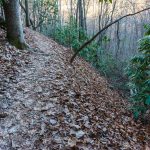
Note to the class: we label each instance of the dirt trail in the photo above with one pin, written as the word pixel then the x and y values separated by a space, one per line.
pixel 48 104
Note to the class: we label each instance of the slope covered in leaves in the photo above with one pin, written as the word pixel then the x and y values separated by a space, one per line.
pixel 46 103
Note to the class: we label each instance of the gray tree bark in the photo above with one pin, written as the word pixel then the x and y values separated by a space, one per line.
pixel 13 23
pixel 27 13
pixel 81 18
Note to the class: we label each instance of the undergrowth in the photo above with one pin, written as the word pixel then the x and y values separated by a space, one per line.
pixel 139 76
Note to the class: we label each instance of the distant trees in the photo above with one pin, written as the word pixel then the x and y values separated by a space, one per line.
pixel 102 30
pixel 13 23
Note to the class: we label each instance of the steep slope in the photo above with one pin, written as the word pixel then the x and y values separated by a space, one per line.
pixel 46 103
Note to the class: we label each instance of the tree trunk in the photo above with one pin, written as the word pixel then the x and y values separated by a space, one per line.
pixel 84 12
pixel 2 23
pixel 2 12
pixel 27 13
pixel 81 19
pixel 13 23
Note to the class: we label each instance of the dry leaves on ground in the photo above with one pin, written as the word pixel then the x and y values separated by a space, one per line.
pixel 46 103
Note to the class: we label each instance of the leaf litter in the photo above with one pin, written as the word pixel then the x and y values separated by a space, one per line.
pixel 48 104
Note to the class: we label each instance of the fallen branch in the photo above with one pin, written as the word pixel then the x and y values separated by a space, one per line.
pixel 93 38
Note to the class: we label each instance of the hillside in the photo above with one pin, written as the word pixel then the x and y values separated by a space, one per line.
pixel 46 103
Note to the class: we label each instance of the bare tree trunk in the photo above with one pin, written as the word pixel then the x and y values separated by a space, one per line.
pixel 13 23
pixel 27 13
pixel 84 9
pixel 71 7
pixel 81 19
pixel 34 15
pixel 2 11
pixel 77 13
pixel 60 12
pixel 118 40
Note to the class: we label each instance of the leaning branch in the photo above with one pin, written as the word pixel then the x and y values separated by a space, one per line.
pixel 93 38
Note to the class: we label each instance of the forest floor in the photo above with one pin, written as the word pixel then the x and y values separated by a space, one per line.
pixel 48 104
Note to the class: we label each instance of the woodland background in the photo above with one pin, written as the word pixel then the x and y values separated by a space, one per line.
pixel 71 22
pixel 47 102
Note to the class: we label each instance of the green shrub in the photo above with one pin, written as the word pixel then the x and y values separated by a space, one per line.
pixel 67 35
pixel 139 76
